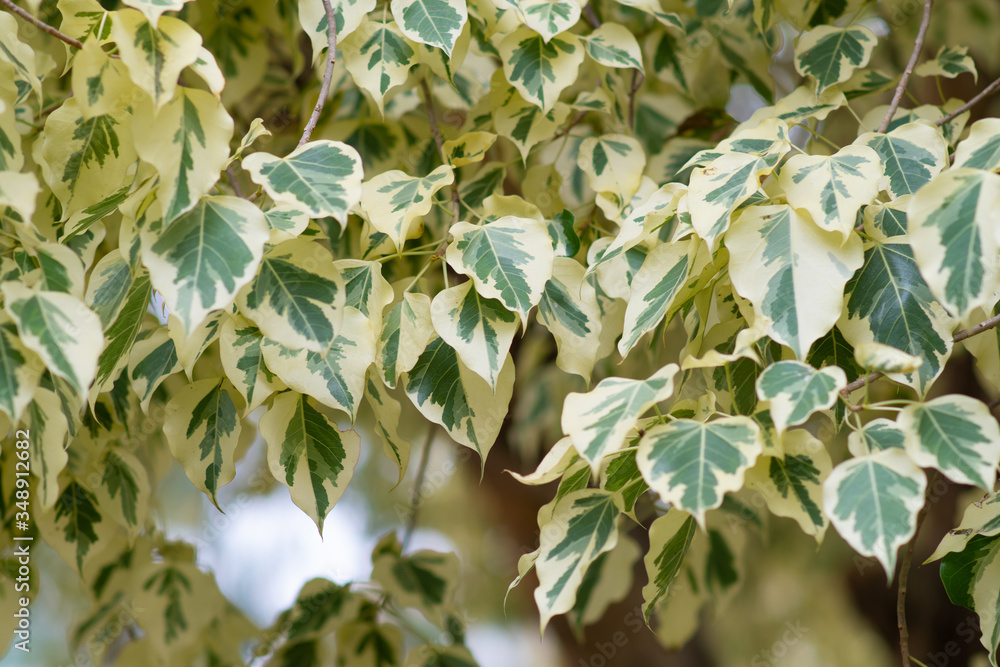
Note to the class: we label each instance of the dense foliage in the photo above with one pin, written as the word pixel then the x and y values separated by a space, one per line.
pixel 533 202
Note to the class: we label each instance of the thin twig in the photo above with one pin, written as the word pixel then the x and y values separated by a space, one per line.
pixel 439 141
pixel 904 573
pixel 917 48
pixel 415 500
pixel 41 25
pixel 577 119
pixel 234 182
pixel 959 336
pixel 324 89
pixel 986 92
pixel 637 79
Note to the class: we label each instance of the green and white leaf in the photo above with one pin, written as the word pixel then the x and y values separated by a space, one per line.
pixel 831 54
pixel 120 336
pixel 60 329
pixel 953 223
pixel 469 148
pixel 615 46
pixel 334 376
pixel 320 177
pixel 436 23
pixel 206 256
pixel 970 578
pixel 20 371
pixel 45 421
pixel 425 580
pixel 613 163
pixel 981 518
pixel 981 148
pixel 833 188
pixel 308 454
pixel 791 271
pixel 387 411
pixel 949 62
pixel 379 57
pixel 955 434
pixel 546 17
pixel 75 526
pixel 583 525
pixel 298 296
pixel 717 190
pixel 348 15
pixel 509 259
pixel 669 538
pixel 480 330
pixel 448 393
pixel 540 69
pixel 202 427
pixel 187 141
pixel 655 286
pixel 693 464
pixel 240 348
pixel 519 120
pixel 394 201
pixel 911 154
pixel 406 331
pixel 155 52
pixel 599 421
pixel 873 502
pixel 792 486
pixel 796 390
pixel 569 310
pixel 885 358
pixel 151 361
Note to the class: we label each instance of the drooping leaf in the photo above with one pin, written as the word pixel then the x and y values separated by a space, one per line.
pixel 424 579
pixel 981 148
pixel 692 464
pixel 599 421
pixel 613 164
pixel 953 221
pixel 569 310
pixel 406 331
pixel 387 411
pixel 873 502
pixel 436 23
pixel 151 361
pixel 521 121
pixel 613 45
pixel 240 348
pixel 479 330
pixel 60 329
pixel 546 17
pixel 121 334
pixel 20 370
pixel 911 155
pixel 655 286
pixel 583 525
pixel 793 272
pixel 348 15
pixel 949 62
pixel 955 434
pixel 669 538
pixel 202 427
pixel 378 56
pixel 446 392
pixel 307 453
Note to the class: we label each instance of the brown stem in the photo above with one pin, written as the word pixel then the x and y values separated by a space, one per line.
pixel 324 89
pixel 904 574
pixel 41 25
pixel 588 11
pixel 439 142
pixel 959 336
pixel 577 119
pixel 637 79
pixel 917 47
pixel 411 523
pixel 986 92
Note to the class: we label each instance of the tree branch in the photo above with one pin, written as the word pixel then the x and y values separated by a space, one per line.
pixel 904 574
pixel 637 79
pixel 324 89
pixel 415 500
pixel 959 336
pixel 439 141
pixel 986 92
pixel 41 25
pixel 905 79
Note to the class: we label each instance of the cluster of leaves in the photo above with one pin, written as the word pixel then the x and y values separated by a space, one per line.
pixel 594 216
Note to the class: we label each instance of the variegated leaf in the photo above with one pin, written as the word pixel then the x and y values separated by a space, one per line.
pixel 151 361
pixel 693 464
pixel 206 256
pixel 663 274
pixel 406 331
pixel 20 370
pixel 793 272
pixel 546 17
pixel 540 70
pixel 955 434
pixel 520 121
pixel 873 502
pixel 480 330
pixel 599 421
pixel 613 45
pixel 509 259
pixel 874 436
pixel 669 538
pixel 885 358
pixel 436 23
pixel 395 201
pixel 981 148
pixel 378 56
pixel 308 454
pixel 570 312
pixel 155 52
pixel 613 164
pixel 583 525
pixel 240 348
pixel 911 155
pixel 387 411
pixel 949 62
pixel 121 334
pixel 321 177
pixel 446 392
pixel 202 427
pixel 468 148
pixel 348 15
pixel 796 390
pixel 718 189
pixel 831 54
pixel 953 224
